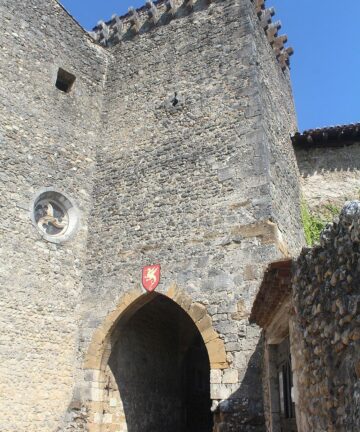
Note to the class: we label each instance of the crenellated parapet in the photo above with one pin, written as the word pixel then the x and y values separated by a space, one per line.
pixel 271 29
pixel 137 21
pixel 157 13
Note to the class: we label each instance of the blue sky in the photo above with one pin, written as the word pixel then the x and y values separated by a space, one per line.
pixel 325 68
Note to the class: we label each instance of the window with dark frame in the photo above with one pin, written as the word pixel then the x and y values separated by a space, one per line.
pixel 285 385
pixel 285 382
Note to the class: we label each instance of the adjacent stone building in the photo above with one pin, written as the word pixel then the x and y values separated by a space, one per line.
pixel 329 161
pixel 310 312
pixel 161 138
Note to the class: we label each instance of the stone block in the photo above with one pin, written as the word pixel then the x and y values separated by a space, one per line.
pixel 183 301
pixel 92 375
pixel 230 376
pixel 215 376
pixel 220 391
pixel 173 290
pixel 233 346
pixel 226 308
pixel 209 334
pixel 242 312
pixel 216 351
pixel 107 418
pixel 253 332
pixel 249 272
pixel 223 365
pixel 204 323
pixel 240 361
pixel 97 395
pixel 98 418
pixel 197 311
pixel 227 327
pixel 92 427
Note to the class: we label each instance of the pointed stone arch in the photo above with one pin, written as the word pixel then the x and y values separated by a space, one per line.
pixel 98 354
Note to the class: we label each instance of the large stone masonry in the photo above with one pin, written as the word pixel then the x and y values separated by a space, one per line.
pixel 326 328
pixel 311 306
pixel 189 177
pixel 174 146
pixel 47 140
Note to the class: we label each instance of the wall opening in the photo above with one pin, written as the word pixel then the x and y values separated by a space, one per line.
pixel 281 385
pixel 158 373
pixel 64 80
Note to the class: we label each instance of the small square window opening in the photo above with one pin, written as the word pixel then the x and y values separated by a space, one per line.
pixel 64 81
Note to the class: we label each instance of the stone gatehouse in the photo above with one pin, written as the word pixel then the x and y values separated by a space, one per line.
pixel 161 138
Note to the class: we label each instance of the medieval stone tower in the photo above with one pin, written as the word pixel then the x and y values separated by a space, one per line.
pixel 162 138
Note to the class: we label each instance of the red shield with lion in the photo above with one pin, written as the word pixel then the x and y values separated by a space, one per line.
pixel 151 277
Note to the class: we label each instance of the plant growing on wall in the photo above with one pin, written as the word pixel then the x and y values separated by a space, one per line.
pixel 314 223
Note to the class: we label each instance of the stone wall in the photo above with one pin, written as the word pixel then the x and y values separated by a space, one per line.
pixel 47 139
pixel 329 175
pixel 274 100
pixel 325 329
pixel 155 368
pixel 192 185
pixel 170 145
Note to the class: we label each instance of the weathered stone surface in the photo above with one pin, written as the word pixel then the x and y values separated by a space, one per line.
pixel 47 139
pixel 231 376
pixel 327 347
pixel 207 187
pixel 329 176
pixel 215 376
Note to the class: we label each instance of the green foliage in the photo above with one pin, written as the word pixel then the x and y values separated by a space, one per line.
pixel 313 224
pixel 331 211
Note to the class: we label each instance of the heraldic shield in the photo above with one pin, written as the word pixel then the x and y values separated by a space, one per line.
pixel 151 277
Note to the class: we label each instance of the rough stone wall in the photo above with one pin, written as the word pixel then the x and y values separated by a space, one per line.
pixel 326 330
pixel 47 139
pixel 190 186
pixel 274 100
pixel 329 175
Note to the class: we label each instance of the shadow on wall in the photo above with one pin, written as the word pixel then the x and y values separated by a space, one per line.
pixel 162 371
pixel 156 377
pixel 323 160
pixel 243 410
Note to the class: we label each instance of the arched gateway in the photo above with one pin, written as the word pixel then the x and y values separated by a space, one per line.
pixel 150 366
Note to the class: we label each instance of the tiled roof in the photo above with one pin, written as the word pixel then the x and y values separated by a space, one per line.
pixel 274 289
pixel 333 136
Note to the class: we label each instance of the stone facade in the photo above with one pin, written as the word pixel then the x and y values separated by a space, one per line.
pixel 317 315
pixel 328 161
pixel 172 143
pixel 189 185
pixel 326 328
pixel 48 139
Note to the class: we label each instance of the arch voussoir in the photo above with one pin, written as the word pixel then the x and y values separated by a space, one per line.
pixel 98 354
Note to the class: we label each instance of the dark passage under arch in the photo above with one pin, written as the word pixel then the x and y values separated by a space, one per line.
pixel 161 367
